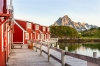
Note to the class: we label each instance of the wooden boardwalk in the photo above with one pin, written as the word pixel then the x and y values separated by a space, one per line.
pixel 27 57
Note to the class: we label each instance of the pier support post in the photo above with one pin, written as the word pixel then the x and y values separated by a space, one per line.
pixel 48 53
pixel 40 48
pixel 63 57
pixel 66 49
pixel 57 46
pixel 95 54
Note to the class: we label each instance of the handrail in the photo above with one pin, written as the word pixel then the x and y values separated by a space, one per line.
pixel 83 57
pixel 59 50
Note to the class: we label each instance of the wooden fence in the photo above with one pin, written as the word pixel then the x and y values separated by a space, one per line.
pixel 65 52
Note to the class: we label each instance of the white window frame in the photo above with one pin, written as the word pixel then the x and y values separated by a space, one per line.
pixel 26 35
pixel 29 25
pixel 48 29
pixel 44 28
pixel 37 27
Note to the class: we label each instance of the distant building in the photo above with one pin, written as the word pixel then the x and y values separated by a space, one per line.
pixel 25 30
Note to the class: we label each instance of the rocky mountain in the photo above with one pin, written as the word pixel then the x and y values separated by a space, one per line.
pixel 79 26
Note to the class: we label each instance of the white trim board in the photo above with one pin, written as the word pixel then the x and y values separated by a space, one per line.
pixel 23 37
pixel 20 26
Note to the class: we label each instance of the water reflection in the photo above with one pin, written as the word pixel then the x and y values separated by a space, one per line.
pixel 84 49
pixel 92 46
pixel 71 46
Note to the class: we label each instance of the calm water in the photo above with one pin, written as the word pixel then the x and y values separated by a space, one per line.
pixel 84 49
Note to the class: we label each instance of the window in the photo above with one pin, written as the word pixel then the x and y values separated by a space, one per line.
pixel 29 25
pixel 37 27
pixel 48 29
pixel 26 35
pixel 43 28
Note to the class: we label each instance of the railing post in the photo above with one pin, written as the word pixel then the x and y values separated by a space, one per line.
pixel 57 46
pixel 36 46
pixel 63 57
pixel 94 54
pixel 99 61
pixel 40 48
pixel 48 53
pixel 66 49
pixel 52 45
pixel 76 51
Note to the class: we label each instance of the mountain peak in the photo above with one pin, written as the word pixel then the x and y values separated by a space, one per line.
pixel 79 26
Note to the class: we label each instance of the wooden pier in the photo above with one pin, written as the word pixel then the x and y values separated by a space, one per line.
pixel 42 56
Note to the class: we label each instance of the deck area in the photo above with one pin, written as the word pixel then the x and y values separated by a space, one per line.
pixel 27 57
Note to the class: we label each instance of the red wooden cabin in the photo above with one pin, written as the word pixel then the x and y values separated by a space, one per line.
pixel 22 32
pixel 5 32
pixel 36 31
pixel 45 33
pixel 25 30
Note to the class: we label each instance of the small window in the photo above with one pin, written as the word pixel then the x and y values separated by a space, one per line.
pixel 37 27
pixel 43 28
pixel 26 35
pixel 29 25
pixel 48 29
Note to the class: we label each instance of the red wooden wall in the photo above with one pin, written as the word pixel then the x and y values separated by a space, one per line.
pixel 2 57
pixel 22 23
pixel 18 34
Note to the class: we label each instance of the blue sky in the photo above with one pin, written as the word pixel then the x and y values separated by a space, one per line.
pixel 46 12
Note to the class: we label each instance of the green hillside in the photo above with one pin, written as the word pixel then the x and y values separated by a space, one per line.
pixel 63 32
pixel 92 33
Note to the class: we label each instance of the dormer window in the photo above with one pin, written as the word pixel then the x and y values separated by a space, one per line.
pixel 29 25
pixel 37 27
pixel 43 28
pixel 48 29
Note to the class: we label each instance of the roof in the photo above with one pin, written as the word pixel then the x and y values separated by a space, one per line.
pixel 19 25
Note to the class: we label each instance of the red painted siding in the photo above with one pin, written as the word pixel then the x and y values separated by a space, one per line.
pixel 18 34
pixel 25 41
pixel 2 57
pixel 33 27
pixel 29 36
pixel 22 23
pixel 33 36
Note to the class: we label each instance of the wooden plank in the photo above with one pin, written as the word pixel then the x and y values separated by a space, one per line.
pixel 83 57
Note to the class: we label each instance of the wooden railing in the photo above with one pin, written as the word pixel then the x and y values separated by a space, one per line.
pixel 63 53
